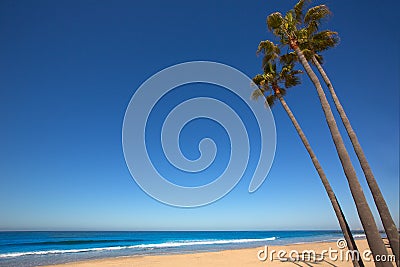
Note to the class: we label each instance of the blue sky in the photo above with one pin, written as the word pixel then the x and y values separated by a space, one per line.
pixel 69 68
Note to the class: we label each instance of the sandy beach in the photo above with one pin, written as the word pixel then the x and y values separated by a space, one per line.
pixel 240 257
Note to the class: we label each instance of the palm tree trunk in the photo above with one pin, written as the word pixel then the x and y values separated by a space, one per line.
pixel 364 212
pixel 332 197
pixel 387 220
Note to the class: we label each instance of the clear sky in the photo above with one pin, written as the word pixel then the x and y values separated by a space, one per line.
pixel 69 68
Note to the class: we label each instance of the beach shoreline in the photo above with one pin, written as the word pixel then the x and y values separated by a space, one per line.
pixel 257 256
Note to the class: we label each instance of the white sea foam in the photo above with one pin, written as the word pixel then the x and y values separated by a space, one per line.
pixel 203 242
pixel 359 236
pixel 58 251
pixel 146 246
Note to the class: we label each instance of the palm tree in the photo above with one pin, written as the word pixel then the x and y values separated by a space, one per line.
pixel 285 27
pixel 386 217
pixel 313 44
pixel 269 87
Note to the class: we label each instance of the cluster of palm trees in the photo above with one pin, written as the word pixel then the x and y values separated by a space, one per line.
pixel 299 30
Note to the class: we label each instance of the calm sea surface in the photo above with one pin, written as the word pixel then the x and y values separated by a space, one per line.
pixel 42 248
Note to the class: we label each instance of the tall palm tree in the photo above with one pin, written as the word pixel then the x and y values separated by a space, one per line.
pixel 269 87
pixel 285 27
pixel 313 44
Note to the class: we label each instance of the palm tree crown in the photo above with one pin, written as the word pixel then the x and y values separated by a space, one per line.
pixel 297 28
pixel 275 79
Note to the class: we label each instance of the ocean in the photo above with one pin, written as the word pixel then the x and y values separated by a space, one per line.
pixel 24 249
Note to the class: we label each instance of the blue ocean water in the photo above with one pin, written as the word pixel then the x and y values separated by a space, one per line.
pixel 43 248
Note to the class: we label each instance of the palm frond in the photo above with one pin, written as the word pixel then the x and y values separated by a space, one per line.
pixel 312 27
pixel 283 39
pixel 257 93
pixel 267 47
pixel 308 53
pixel 269 76
pixel 274 21
pixel 265 61
pixel 325 34
pixel 324 40
pixel 270 50
pixel 258 79
pixel 317 13
pixel 289 17
pixel 296 72
pixel 299 10
pixel 289 23
pixel 314 17
pixel 291 80
pixel 261 81
pixel 270 100
pixel 285 70
pixel 289 58
pixel 302 35
pixel 289 76
pixel 270 70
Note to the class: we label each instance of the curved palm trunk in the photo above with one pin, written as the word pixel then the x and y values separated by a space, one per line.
pixel 364 212
pixel 332 197
pixel 387 220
